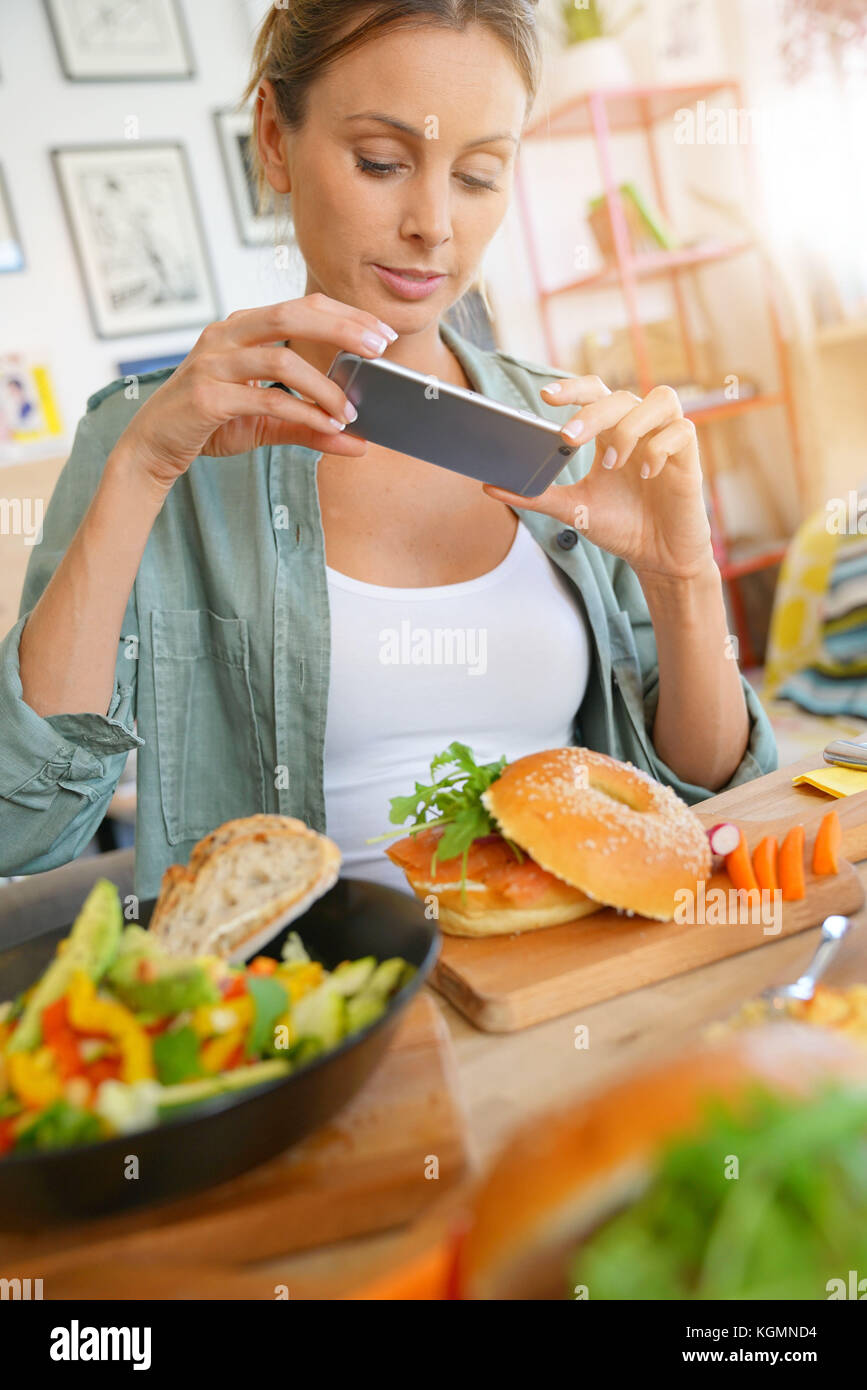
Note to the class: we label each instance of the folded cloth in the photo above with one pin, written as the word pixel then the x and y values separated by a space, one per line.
pixel 836 781
pixel 817 644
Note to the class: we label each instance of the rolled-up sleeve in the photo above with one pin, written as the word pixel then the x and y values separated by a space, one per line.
pixel 59 772
pixel 760 756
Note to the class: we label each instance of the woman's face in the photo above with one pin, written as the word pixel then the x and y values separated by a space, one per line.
pixel 405 161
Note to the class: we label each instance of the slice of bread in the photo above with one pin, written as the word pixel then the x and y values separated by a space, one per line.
pixel 244 882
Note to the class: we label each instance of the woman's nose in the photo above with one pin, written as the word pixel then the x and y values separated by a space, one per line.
pixel 429 213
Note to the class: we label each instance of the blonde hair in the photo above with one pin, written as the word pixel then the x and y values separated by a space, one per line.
pixel 297 40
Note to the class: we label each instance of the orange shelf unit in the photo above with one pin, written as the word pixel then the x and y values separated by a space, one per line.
pixel 598 115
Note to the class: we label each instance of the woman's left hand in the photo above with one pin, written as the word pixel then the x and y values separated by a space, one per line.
pixel 642 499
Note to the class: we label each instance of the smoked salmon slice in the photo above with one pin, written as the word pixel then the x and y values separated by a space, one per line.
pixel 489 860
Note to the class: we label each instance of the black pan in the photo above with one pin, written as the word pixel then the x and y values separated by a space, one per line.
pixel 229 1134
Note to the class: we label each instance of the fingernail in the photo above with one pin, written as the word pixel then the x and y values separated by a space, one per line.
pixel 574 429
pixel 554 389
pixel 389 332
pixel 350 412
pixel 609 458
pixel 338 424
pixel 645 470
pixel 374 341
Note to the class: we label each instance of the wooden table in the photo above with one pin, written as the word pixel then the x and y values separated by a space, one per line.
pixel 505 1078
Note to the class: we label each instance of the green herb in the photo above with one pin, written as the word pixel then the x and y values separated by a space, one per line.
pixel 270 1002
pixel 793 1218
pixel 455 799
pixel 58 1125
pixel 176 1055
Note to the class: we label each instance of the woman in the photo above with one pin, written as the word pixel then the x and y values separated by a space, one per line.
pixel 264 594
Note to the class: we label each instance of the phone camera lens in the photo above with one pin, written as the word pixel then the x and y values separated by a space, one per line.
pixel 565 450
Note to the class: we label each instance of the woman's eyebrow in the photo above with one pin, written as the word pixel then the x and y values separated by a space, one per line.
pixel 419 134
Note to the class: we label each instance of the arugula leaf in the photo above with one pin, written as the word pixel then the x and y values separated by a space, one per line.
pixel 453 802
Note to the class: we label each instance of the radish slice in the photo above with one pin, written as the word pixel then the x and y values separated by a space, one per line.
pixel 724 838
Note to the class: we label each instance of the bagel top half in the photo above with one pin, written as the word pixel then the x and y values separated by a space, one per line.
pixel 604 826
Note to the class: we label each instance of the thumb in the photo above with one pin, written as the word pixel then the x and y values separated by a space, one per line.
pixel 558 502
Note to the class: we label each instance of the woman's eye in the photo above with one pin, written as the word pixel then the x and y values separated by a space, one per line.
pixel 380 171
pixel 370 167
pixel 476 183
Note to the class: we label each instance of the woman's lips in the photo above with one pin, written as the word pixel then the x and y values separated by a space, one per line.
pixel 407 287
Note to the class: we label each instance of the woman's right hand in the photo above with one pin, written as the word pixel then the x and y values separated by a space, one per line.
pixel 211 404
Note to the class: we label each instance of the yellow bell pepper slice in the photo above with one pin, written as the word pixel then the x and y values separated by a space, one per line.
pixel 285 1021
pixel 33 1077
pixel 90 1014
pixel 210 1020
pixel 216 1053
pixel 300 977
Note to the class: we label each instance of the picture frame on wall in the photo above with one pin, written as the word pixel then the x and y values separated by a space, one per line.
pixel 235 134
pixel 11 249
pixel 121 40
pixel 30 421
pixel 138 236
pixel 141 366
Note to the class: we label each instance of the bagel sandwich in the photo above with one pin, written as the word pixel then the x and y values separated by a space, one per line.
pixel 549 838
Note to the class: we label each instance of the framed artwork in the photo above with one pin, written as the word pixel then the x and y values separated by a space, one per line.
pixel 138 237
pixel 28 406
pixel 683 41
pixel 140 366
pixel 11 250
pixel 235 134
pixel 120 40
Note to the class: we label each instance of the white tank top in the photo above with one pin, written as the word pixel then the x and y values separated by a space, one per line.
pixel 499 663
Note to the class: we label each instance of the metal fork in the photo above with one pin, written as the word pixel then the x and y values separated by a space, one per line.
pixel 833 931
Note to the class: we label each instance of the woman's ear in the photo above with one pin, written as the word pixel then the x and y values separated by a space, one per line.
pixel 269 139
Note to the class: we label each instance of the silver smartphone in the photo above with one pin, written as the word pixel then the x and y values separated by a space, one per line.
pixel 447 425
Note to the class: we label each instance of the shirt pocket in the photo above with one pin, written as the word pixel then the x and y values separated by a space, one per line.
pixel 209 753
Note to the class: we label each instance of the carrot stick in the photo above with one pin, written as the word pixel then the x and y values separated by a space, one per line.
pixel 791 864
pixel 765 863
pixel 739 867
pixel 425 1277
pixel 826 850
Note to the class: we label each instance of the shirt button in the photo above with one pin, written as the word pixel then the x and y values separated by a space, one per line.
pixel 567 539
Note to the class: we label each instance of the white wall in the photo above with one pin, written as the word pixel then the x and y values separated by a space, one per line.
pixel 44 307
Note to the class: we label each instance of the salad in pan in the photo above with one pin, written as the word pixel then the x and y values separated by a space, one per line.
pixel 117 1034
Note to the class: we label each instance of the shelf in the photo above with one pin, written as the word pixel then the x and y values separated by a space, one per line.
pixel 653 264
pixel 704 415
pixel 598 116
pixel 626 108
pixel 748 564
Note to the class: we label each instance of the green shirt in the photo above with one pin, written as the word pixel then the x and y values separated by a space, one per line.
pixel 223 663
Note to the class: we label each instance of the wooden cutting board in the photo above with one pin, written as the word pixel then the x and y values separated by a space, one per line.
pixel 504 983
pixel 363 1172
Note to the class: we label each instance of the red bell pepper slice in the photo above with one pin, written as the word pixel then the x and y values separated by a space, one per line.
pixel 104 1069
pixel 234 987
pixel 59 1035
